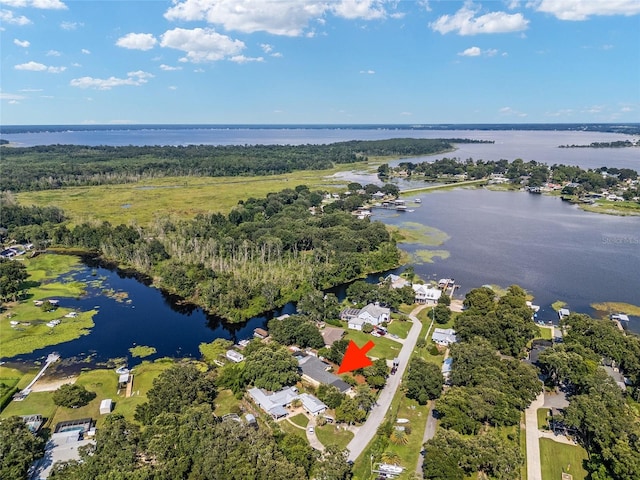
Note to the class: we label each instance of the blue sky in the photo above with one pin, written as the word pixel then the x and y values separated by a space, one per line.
pixel 319 61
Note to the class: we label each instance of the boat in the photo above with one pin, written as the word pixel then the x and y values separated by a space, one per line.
pixel 401 208
pixel 563 312
pixel 122 370
pixel 418 200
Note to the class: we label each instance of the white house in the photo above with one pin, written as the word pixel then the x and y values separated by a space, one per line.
pixel 312 405
pixel 444 336
pixel 274 403
pixel 371 314
pixel 397 281
pixel 105 406
pixel 234 356
pixel 426 294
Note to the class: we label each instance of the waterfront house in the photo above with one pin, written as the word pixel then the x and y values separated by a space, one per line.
pixel 396 281
pixel 260 333
pixel 426 295
pixel 563 312
pixel 234 356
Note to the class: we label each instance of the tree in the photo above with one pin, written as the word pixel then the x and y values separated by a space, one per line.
pixel 330 395
pixel 424 381
pixel 441 314
pixel 175 389
pixel 271 368
pixel 19 448
pixel 72 396
pixel 333 465
pixel 444 299
pixel 12 274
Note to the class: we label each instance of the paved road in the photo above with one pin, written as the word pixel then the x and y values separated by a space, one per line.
pixel 367 431
pixel 534 471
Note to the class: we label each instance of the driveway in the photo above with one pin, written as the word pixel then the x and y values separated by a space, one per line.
pixel 367 431
pixel 534 471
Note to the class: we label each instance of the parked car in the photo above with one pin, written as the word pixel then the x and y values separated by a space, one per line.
pixel 311 430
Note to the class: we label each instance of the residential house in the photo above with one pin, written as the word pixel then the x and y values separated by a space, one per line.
pixel 330 335
pixel 274 403
pixel 316 372
pixel 446 368
pixel 372 314
pixel 234 356
pixel 397 281
pixel 312 405
pixel 444 336
pixel 260 333
pixel 426 294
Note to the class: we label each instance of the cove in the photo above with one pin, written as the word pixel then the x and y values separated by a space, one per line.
pixel 135 313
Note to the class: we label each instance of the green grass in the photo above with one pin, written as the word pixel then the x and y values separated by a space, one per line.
pixel 543 418
pixel 546 333
pixel 384 347
pixel 523 447
pixel 142 351
pixel 300 419
pixel 557 305
pixel 10 382
pixel 417 415
pixel 412 232
pixel 617 307
pixel 292 429
pixel 399 328
pixel 36 403
pixel 329 434
pixel 46 280
pixel 427 256
pixel 175 196
pixel 557 458
pixel 612 208
pixel 226 402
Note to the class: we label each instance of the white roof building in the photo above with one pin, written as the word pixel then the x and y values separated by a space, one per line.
pixel 234 356
pixel 372 314
pixel 444 336
pixel 105 406
pixel 312 405
pixel 426 294
pixel 274 403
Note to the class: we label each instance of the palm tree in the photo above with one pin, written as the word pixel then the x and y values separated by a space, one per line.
pixel 391 458
pixel 399 437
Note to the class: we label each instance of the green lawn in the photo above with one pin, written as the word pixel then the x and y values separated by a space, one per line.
pixel 543 418
pixel 226 402
pixel 557 458
pixel 36 403
pixel 399 328
pixel 292 429
pixel 300 419
pixel 329 434
pixel 384 347
pixel 546 333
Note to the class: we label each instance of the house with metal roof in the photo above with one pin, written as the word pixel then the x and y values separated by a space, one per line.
pixel 372 314
pixel 312 405
pixel 426 294
pixel 274 403
pixel 444 336
pixel 315 372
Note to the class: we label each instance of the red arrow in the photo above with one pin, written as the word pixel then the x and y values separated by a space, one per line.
pixel 355 357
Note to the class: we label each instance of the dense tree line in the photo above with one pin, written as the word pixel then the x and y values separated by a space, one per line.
pixel 55 166
pixel 12 276
pixel 264 253
pixel 19 448
pixel 507 323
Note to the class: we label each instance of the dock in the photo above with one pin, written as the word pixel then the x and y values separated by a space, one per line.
pixel 51 358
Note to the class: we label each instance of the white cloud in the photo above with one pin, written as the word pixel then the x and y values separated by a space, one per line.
pixel 172 87
pixel 39 67
pixel 169 68
pixel 243 59
pixel 134 79
pixel 85 51
pixel 513 4
pixel 471 52
pixel 11 97
pixel 42 4
pixel 406 114
pixel 464 22
pixel 281 17
pixel 21 43
pixel 583 9
pixel 201 45
pixel 53 53
pixel 564 112
pixel 364 9
pixel 71 25
pixel 6 16
pixel 76 64
pixel 137 41
pixel 268 49
pixel 508 111
pixel 368 72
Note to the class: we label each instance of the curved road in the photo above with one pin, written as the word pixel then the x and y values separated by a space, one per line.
pixel 367 431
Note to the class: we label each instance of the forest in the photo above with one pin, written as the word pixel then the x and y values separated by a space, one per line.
pixel 56 166
pixel 263 254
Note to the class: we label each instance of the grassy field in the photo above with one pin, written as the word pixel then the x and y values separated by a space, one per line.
pixel 225 402
pixel 46 281
pixel 546 333
pixel 384 347
pixel 616 307
pixel 142 351
pixel 287 427
pixel 557 458
pixel 329 434
pixel 399 328
pixel 612 208
pixel 174 196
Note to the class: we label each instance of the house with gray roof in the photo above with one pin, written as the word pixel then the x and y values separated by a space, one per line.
pixel 444 336
pixel 372 314
pixel 312 405
pixel 315 371
pixel 274 403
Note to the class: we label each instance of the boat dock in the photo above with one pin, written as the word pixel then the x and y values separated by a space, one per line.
pixel 51 358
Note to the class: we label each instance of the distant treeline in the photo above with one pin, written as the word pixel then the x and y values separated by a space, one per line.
pixel 616 144
pixel 56 166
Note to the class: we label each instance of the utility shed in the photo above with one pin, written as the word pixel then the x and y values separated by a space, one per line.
pixel 106 406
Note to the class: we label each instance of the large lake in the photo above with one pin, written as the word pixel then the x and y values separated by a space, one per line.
pixel 552 249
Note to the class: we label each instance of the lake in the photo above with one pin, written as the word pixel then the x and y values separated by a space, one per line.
pixel 549 247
